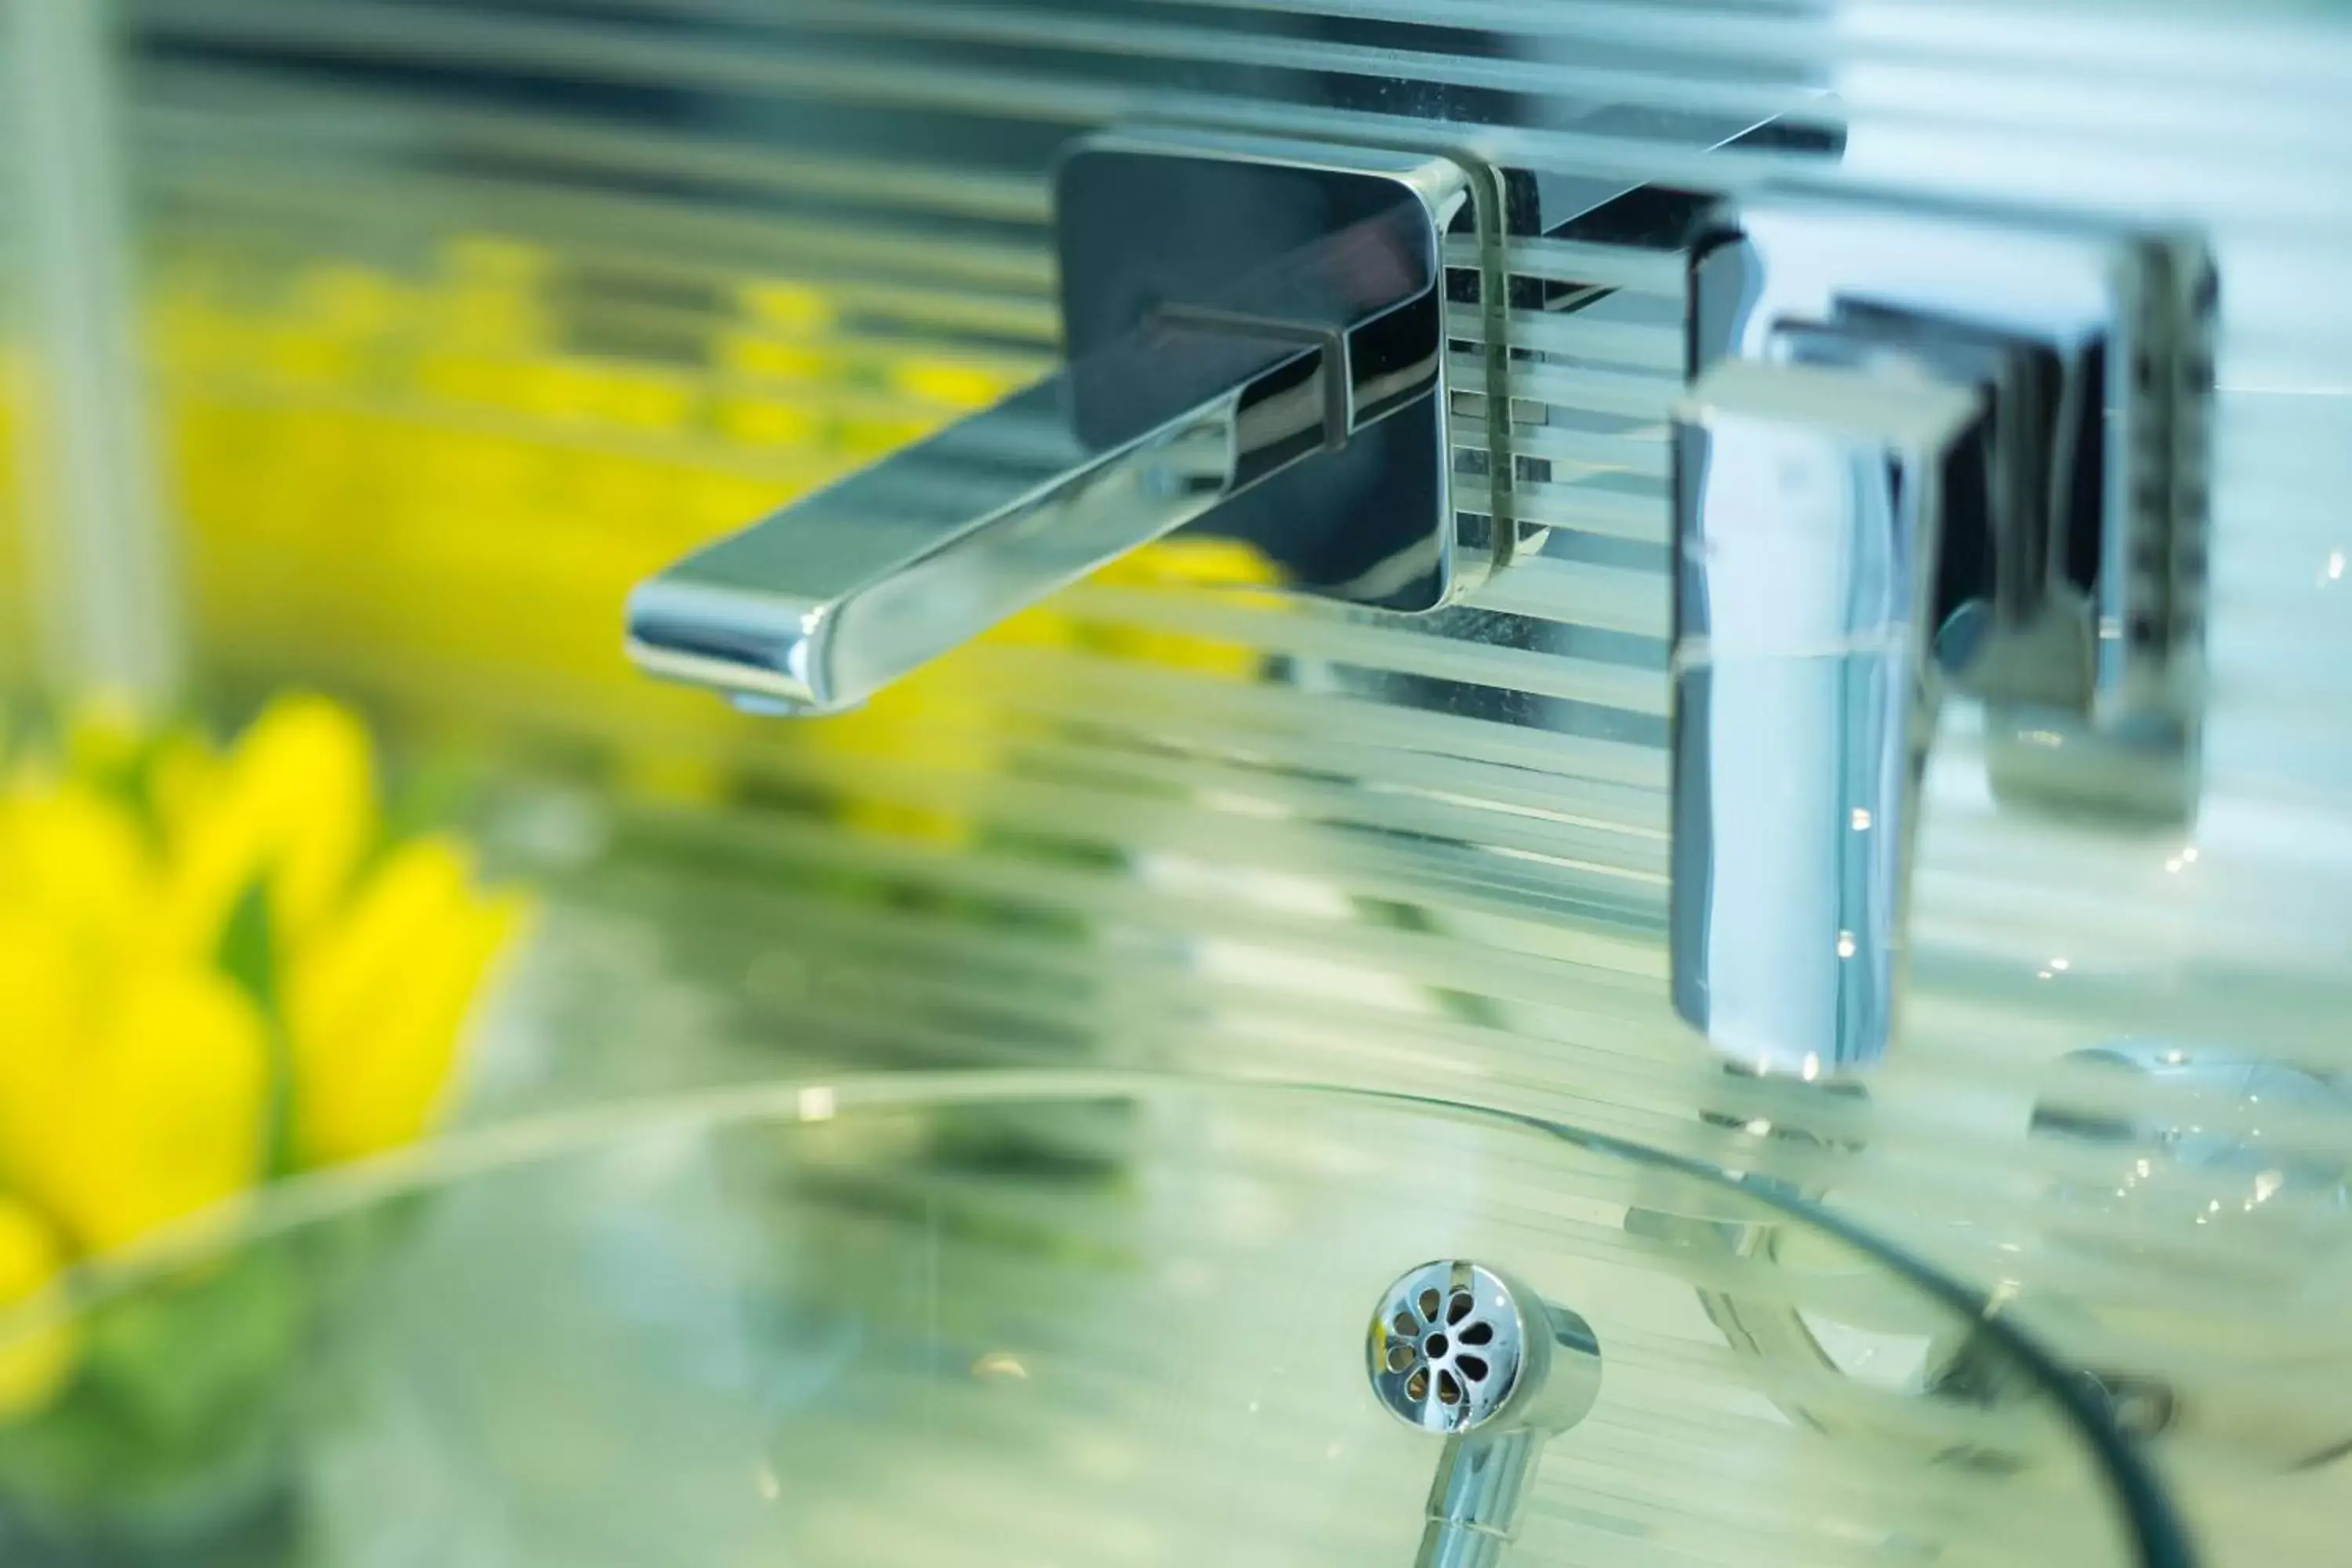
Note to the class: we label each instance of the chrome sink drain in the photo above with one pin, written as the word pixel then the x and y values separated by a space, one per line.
pixel 1471 1354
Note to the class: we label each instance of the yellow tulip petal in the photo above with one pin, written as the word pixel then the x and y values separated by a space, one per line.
pixel 1226 564
pixel 375 1008
pixel 76 857
pixel 34 1365
pixel 44 1004
pixel 104 733
pixel 221 855
pixel 185 782
pixel 311 760
pixel 340 976
pixel 1212 562
pixel 163 1113
pixel 390 1079
pixel 298 806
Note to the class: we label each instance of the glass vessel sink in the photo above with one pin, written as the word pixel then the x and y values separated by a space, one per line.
pixel 1024 1319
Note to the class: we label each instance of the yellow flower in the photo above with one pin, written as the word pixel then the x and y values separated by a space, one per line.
pixel 947 722
pixel 374 1007
pixel 35 1367
pixel 144 1100
pixel 1226 564
pixel 942 726
pixel 103 735
pixel 182 781
pixel 133 1079
pixel 76 858
pixel 138 1076
pixel 294 807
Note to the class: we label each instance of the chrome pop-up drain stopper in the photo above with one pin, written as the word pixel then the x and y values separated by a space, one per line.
pixel 1468 1353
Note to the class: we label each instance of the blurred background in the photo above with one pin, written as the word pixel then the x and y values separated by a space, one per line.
pixel 363 354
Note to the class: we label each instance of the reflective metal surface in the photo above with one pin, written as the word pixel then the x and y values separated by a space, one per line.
pixel 1206 358
pixel 2175 1154
pixel 1459 1349
pixel 1801 703
pixel 1923 445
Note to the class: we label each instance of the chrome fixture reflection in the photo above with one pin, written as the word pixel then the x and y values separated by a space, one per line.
pixel 1463 1351
pixel 1827 1310
pixel 1925 446
pixel 2209 1155
pixel 2204 1156
pixel 2220 1160
pixel 1235 309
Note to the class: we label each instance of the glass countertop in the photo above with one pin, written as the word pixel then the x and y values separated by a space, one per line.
pixel 1026 1319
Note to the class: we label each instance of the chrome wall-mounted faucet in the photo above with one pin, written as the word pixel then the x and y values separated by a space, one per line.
pixel 1234 308
pixel 1467 1353
pixel 1925 446
pixel 1255 333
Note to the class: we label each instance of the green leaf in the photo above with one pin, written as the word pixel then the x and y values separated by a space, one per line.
pixel 249 956
pixel 248 948
pixel 200 1356
pixel 430 792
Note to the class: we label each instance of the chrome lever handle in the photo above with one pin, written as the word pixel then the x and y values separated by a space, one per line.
pixel 1926 449
pixel 1206 360
pixel 1813 510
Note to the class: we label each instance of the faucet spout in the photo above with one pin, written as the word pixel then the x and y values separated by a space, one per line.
pixel 1202 367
